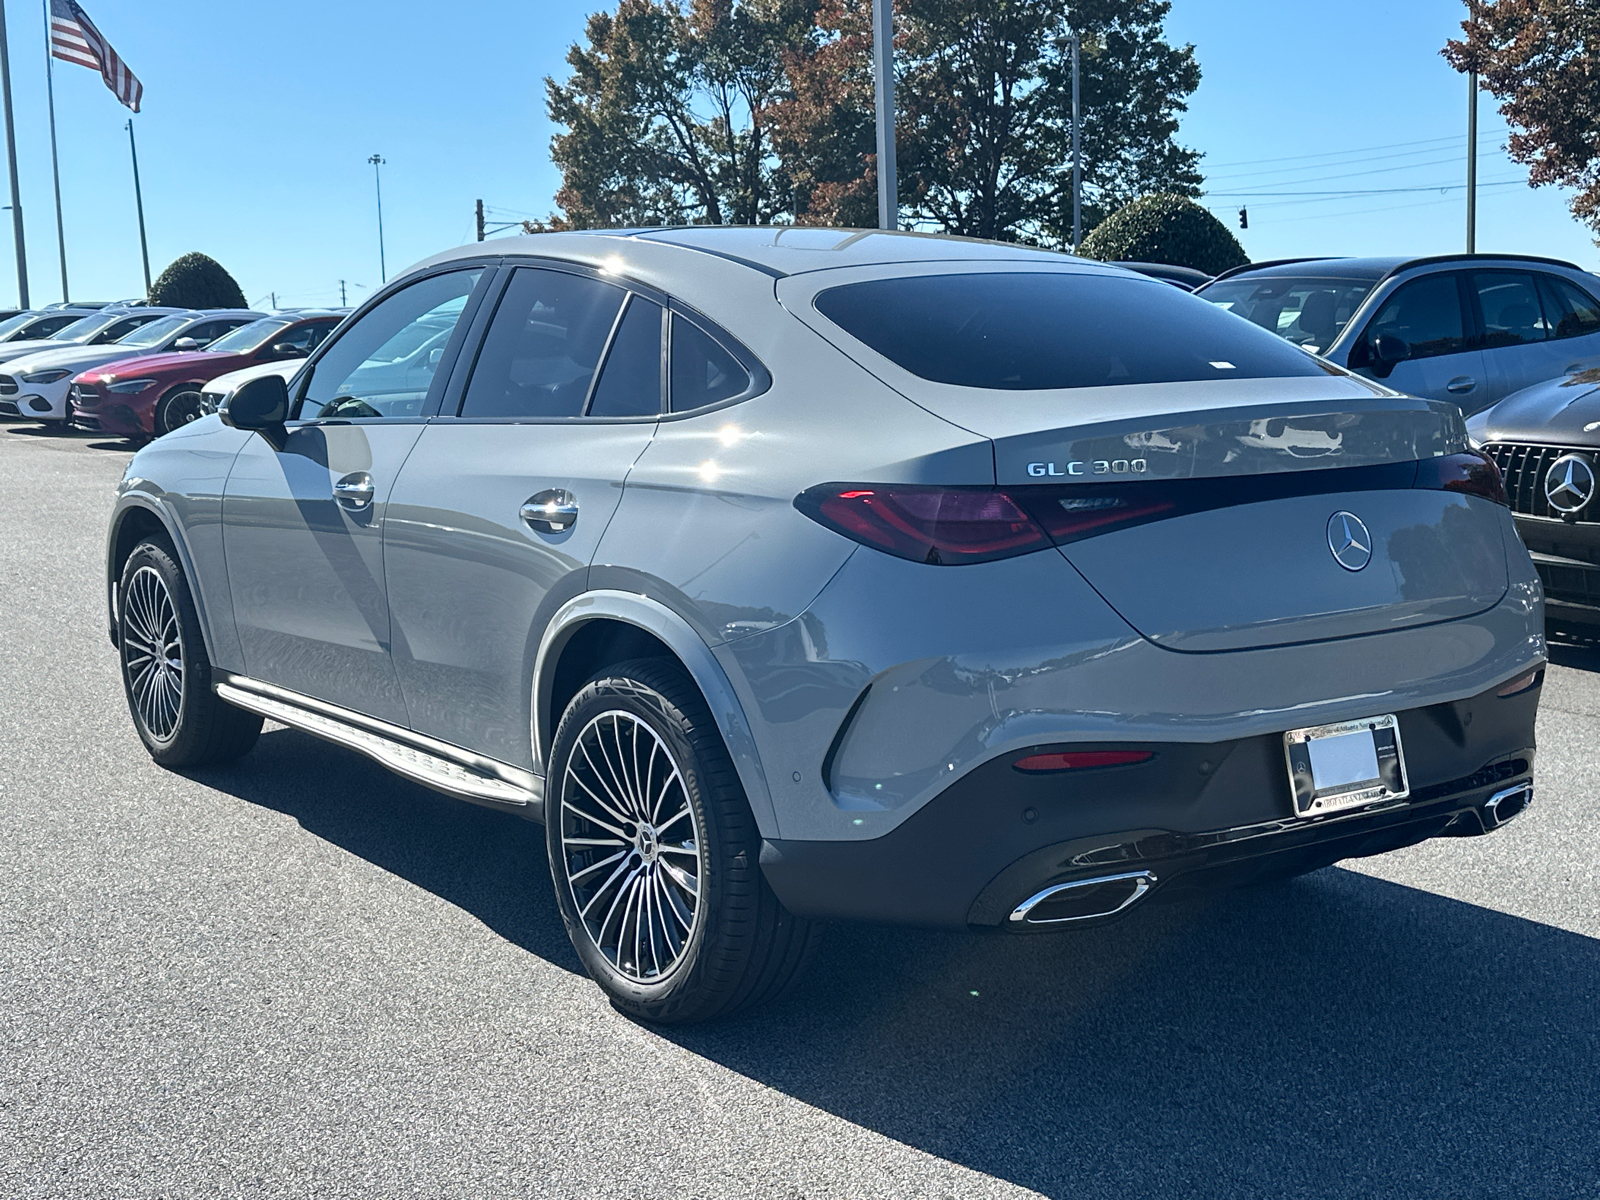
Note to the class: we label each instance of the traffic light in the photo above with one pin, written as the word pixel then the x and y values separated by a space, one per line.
pixel 1244 218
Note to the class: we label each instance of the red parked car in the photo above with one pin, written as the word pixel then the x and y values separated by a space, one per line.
pixel 148 396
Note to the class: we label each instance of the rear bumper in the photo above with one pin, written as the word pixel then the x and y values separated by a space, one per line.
pixel 1195 817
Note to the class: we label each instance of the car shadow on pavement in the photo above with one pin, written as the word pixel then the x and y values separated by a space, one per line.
pixel 488 863
pixel 1577 651
pixel 1334 1035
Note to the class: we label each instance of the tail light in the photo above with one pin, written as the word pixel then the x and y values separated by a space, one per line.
pixel 948 526
pixel 1077 760
pixel 1473 474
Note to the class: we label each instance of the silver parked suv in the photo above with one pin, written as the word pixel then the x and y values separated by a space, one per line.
pixel 801 574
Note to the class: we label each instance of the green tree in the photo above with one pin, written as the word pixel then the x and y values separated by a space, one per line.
pixel 665 114
pixel 1166 229
pixel 984 128
pixel 1541 59
pixel 196 280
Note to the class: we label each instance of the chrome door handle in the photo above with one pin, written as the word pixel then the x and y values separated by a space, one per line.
pixel 1460 384
pixel 554 510
pixel 354 491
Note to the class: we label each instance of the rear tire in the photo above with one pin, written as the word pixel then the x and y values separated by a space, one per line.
pixel 166 675
pixel 654 854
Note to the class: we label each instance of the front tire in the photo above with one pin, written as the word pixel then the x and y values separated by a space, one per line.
pixel 166 675
pixel 177 408
pixel 654 854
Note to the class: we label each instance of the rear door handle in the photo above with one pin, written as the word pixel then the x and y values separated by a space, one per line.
pixel 1460 384
pixel 354 491
pixel 554 510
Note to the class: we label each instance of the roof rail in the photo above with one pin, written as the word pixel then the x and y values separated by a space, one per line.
pixel 1450 258
pixel 1272 262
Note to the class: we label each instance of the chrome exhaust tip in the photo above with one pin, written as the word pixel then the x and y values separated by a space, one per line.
pixel 1084 899
pixel 1504 805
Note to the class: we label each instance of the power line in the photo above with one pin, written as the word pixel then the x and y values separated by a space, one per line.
pixel 1450 152
pixel 1455 137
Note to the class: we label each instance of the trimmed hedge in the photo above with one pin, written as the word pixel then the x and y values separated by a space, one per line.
pixel 1165 229
pixel 196 281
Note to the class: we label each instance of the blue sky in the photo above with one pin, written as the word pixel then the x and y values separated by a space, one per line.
pixel 258 121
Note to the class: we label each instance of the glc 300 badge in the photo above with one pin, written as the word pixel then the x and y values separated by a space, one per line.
pixel 1349 540
pixel 1088 466
pixel 1569 484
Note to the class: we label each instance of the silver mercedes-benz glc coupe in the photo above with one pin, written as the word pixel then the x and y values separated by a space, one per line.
pixel 798 574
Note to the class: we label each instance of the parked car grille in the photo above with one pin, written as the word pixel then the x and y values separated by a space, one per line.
pixel 9 408
pixel 8 385
pixel 1524 468
pixel 210 402
pixel 1575 585
pixel 82 422
pixel 85 397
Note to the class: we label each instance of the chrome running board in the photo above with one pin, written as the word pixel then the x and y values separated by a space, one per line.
pixel 428 761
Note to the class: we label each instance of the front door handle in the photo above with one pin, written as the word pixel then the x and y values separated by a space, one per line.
pixel 554 510
pixel 354 491
pixel 1461 384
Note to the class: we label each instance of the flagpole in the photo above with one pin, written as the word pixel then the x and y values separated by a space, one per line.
pixel 11 156
pixel 138 200
pixel 55 165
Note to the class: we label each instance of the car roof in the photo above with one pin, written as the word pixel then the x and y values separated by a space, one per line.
pixel 777 250
pixel 1373 269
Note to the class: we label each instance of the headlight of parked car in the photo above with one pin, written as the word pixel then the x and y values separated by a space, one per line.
pixel 55 376
pixel 130 385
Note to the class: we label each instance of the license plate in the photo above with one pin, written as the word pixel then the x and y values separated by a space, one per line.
pixel 1348 765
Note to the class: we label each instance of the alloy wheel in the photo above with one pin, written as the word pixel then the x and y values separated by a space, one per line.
pixel 180 410
pixel 152 652
pixel 631 846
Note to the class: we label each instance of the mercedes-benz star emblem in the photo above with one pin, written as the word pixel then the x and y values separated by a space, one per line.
pixel 1349 540
pixel 1569 484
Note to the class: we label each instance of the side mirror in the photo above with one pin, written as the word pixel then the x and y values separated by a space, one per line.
pixel 186 344
pixel 261 406
pixel 288 350
pixel 1388 349
pixel 435 357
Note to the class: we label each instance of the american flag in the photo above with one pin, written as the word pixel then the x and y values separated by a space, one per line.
pixel 74 39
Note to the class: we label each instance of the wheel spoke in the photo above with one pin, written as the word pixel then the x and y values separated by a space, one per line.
pixel 604 862
pixel 617 812
pixel 589 817
pixel 687 882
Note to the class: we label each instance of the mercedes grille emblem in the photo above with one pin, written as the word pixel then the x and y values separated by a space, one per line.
pixel 1349 540
pixel 1569 484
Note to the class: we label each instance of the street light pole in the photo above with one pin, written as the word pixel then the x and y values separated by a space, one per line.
pixel 138 200
pixel 883 79
pixel 11 155
pixel 377 160
pixel 1472 147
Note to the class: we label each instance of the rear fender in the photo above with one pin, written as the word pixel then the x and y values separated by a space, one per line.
pixel 680 637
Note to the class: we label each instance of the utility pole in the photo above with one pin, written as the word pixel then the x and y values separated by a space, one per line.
pixel 342 302
pixel 274 301
pixel 1077 154
pixel 138 200
pixel 883 79
pixel 1472 148
pixel 377 160
pixel 11 157
pixel 480 220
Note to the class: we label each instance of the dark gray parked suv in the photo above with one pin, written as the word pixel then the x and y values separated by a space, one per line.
pixel 1469 328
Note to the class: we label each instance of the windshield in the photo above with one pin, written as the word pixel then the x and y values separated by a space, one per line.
pixel 81 331
pixel 248 338
pixel 1309 312
pixel 12 324
pixel 154 333
pixel 1044 330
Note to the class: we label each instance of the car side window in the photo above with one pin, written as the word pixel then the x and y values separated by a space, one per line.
pixel 1568 309
pixel 1509 302
pixel 703 372
pixel 121 329
pixel 210 331
pixel 386 363
pixel 1426 315
pixel 630 382
pixel 304 339
pixel 543 346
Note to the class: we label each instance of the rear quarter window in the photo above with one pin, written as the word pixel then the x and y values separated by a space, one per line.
pixel 1040 331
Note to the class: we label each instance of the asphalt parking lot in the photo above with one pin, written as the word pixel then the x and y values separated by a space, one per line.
pixel 302 976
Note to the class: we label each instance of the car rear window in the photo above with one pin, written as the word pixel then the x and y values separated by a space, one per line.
pixel 1044 330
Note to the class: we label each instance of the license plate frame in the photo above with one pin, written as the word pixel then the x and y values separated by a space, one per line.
pixel 1326 764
